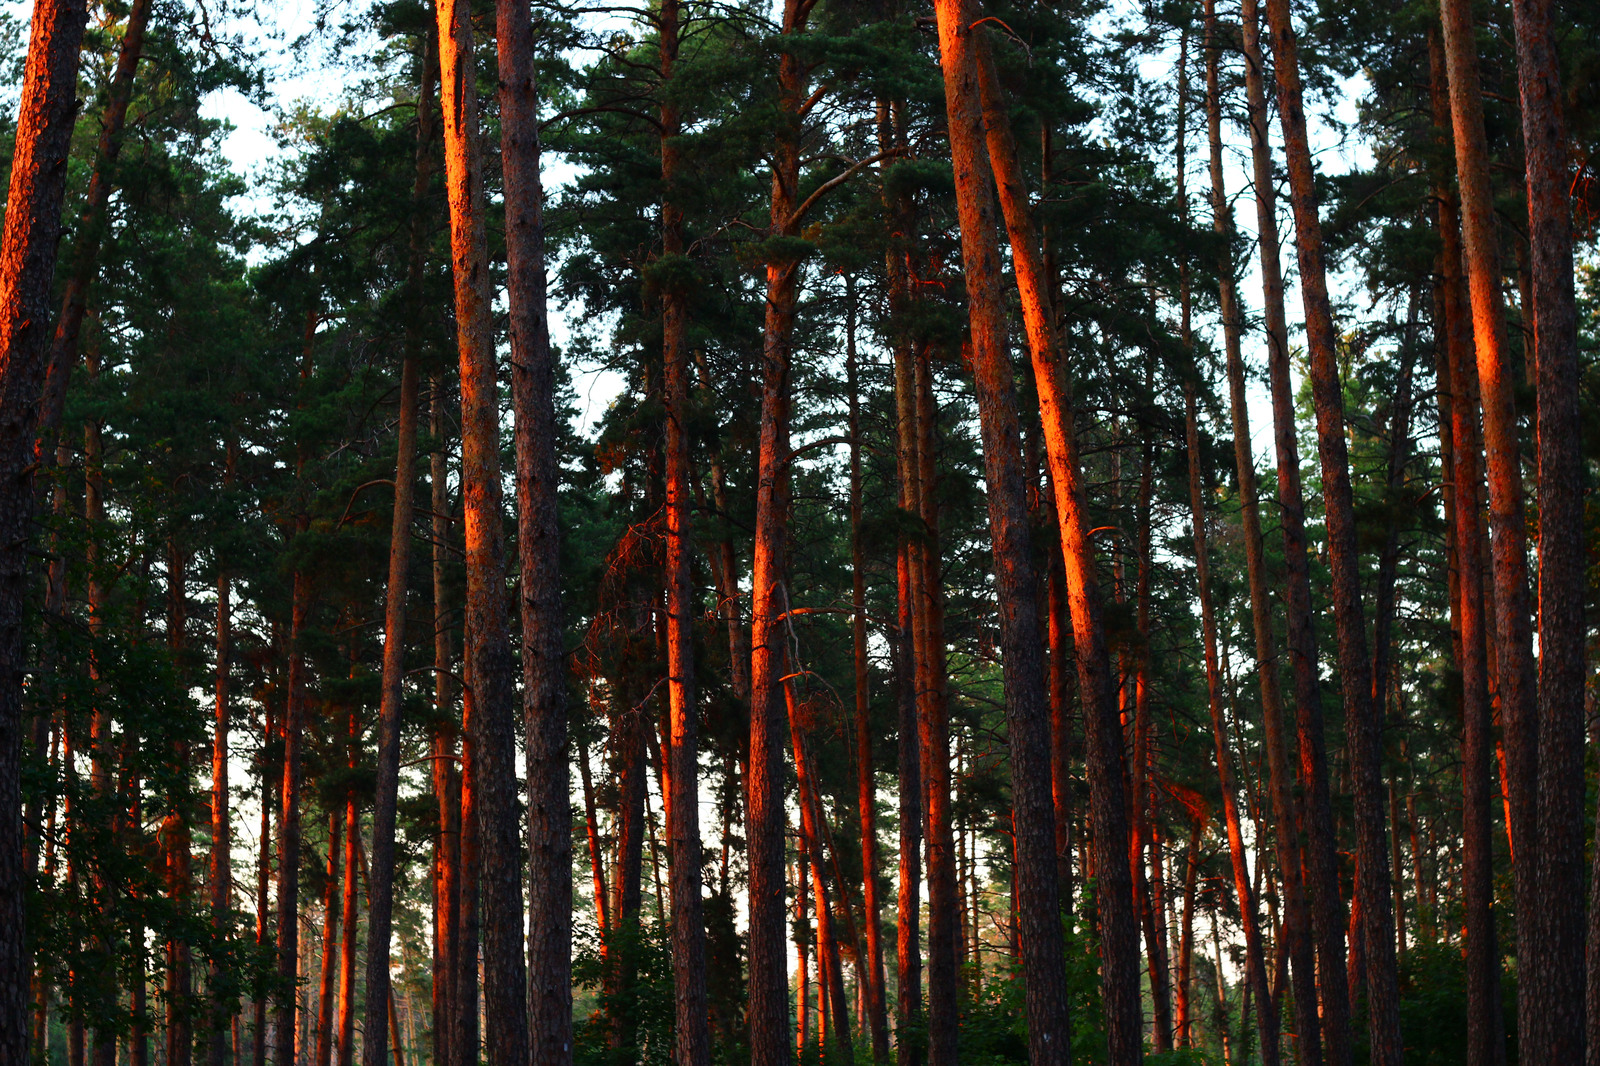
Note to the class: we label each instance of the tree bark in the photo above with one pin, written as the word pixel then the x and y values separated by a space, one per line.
pixel 692 1034
pixel 1363 719
pixel 1558 954
pixel 1512 641
pixel 330 937
pixel 374 1050
pixel 446 779
pixel 27 267
pixel 1298 944
pixel 869 969
pixel 505 978
pixel 769 1010
pixel 219 981
pixel 1028 723
pixel 91 224
pixel 1316 807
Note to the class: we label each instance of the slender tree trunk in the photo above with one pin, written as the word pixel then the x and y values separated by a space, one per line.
pixel 1108 808
pixel 488 648
pixel 91 224
pixel 446 780
pixel 1183 1025
pixel 27 267
pixel 693 1039
pixel 466 1033
pixel 908 957
pixel 374 1051
pixel 330 937
pixel 869 969
pixel 1321 861
pixel 802 941
pixel 1558 954
pixel 1297 917
pixel 281 1026
pixel 220 983
pixel 596 859
pixel 263 877
pixel 347 944
pixel 768 1011
pixel 1513 651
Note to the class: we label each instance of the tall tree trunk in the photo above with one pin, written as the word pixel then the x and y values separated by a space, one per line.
pixel 1244 892
pixel 219 981
pixel 1513 652
pixel 1108 807
pixel 330 937
pixel 769 1011
pixel 908 957
pixel 1297 916
pixel 693 1038
pixel 446 779
pixel 91 224
pixel 347 943
pixel 263 875
pixel 466 1037
pixel 1363 718
pixel 1316 811
pixel 538 540
pixel 488 649
pixel 27 268
pixel 380 903
pixel 933 733
pixel 1183 1032
pixel 869 969
pixel 1558 954
pixel 281 1026
pixel 802 942
pixel 176 834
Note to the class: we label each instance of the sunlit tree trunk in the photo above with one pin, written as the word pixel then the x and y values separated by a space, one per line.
pixel 27 266
pixel 446 779
pixel 768 1010
pixel 330 937
pixel 1512 640
pixel 966 60
pixel 488 649
pixel 92 221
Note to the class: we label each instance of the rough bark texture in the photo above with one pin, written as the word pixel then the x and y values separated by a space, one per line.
pixel 1321 860
pixel 1558 953
pixel 487 649
pixel 538 539
pixel 27 266
pixel 1363 719
pixel 1512 655
pixel 966 60
pixel 693 1038
pixel 769 1007
pixel 1297 943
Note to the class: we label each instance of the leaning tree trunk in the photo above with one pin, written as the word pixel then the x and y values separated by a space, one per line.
pixel 27 268
pixel 1297 916
pixel 91 225
pixel 1558 954
pixel 380 902
pixel 1119 932
pixel 1321 857
pixel 488 649
pixel 1363 718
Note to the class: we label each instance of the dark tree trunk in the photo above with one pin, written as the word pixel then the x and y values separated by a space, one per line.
pixel 1316 808
pixel 380 904
pixel 1298 944
pixel 1558 954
